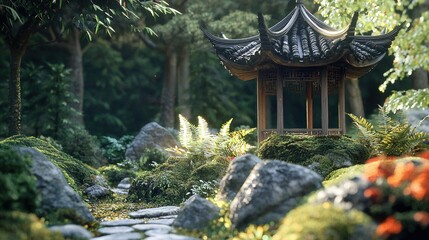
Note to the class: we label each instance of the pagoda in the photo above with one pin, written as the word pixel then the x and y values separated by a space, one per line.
pixel 301 54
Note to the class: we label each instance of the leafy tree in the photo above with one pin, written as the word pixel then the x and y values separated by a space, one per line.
pixel 21 19
pixel 410 49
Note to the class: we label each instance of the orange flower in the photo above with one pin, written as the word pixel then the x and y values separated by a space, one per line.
pixel 389 226
pixel 383 168
pixel 403 172
pixel 422 218
pixel 419 186
pixel 373 193
pixel 424 155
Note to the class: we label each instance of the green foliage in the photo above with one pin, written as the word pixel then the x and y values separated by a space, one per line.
pixel 170 182
pixel 322 154
pixel 18 184
pixel 342 174
pixel 151 158
pixel 114 173
pixel 390 136
pixel 324 222
pixel 199 142
pixel 403 100
pixel 77 174
pixel 204 189
pixel 81 145
pixel 22 226
pixel 114 149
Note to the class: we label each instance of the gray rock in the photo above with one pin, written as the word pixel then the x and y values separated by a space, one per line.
pixel 156 232
pixel 119 191
pixel 125 183
pixel 100 180
pixel 122 222
pixel 272 189
pixel 152 135
pixel 53 188
pixel 347 194
pixel 237 172
pixel 114 230
pixel 167 221
pixel 170 237
pixel 196 213
pixel 147 227
pixel 154 212
pixel 168 217
pixel 121 236
pixel 415 116
pixel 97 192
pixel 72 231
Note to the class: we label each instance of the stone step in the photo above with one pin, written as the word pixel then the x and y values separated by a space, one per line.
pixel 154 212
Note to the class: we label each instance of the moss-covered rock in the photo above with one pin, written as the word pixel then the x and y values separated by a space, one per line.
pixel 322 154
pixel 325 221
pixel 24 226
pixel 170 182
pixel 114 174
pixel 77 174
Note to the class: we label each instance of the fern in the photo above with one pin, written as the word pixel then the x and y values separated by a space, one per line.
pixel 391 136
pixel 185 132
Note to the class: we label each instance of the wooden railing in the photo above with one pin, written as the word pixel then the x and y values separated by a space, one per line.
pixel 315 131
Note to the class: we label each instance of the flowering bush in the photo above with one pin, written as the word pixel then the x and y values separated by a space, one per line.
pixel 399 193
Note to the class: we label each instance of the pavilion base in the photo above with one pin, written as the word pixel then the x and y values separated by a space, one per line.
pixel 264 134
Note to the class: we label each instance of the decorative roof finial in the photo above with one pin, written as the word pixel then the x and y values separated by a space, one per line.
pixel 299 2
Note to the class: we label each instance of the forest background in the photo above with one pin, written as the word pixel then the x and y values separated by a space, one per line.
pixel 113 84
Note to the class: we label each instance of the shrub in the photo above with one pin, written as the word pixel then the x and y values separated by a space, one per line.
pixel 23 226
pixel 114 174
pixel 114 149
pixel 324 221
pixel 77 174
pixel 18 184
pixel 390 136
pixel 151 157
pixel 78 143
pixel 322 153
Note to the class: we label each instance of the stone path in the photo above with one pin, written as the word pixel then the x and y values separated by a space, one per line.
pixel 149 224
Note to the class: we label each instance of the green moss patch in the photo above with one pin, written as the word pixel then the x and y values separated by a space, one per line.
pixel 323 154
pixel 78 174
pixel 170 182
pixel 324 221
pixel 25 226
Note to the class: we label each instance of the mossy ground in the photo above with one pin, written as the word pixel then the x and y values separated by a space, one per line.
pixel 323 154
pixel 77 174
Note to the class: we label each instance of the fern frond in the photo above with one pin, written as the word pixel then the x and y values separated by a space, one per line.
pixel 185 132
pixel 224 130
pixel 203 129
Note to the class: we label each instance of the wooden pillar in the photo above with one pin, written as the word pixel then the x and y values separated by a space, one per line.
pixel 309 106
pixel 324 100
pixel 342 104
pixel 279 97
pixel 261 107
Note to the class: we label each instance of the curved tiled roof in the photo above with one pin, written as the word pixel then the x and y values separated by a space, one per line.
pixel 301 40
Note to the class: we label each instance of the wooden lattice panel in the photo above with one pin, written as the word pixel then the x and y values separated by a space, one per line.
pixel 269 79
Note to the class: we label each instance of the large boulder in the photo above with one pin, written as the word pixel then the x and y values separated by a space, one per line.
pixel 71 231
pixel 196 213
pixel 272 189
pixel 55 193
pixel 415 116
pixel 151 136
pixel 237 172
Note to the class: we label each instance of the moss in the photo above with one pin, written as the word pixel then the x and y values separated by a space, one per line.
pixel 329 152
pixel 342 174
pixel 77 174
pixel 114 174
pixel 324 222
pixel 25 226
pixel 170 182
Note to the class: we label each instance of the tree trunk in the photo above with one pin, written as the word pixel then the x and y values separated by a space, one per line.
pixel 76 77
pixel 183 93
pixel 420 79
pixel 355 97
pixel 169 89
pixel 14 121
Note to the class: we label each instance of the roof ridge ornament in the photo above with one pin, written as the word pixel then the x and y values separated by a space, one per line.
pixel 263 33
pixel 299 2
